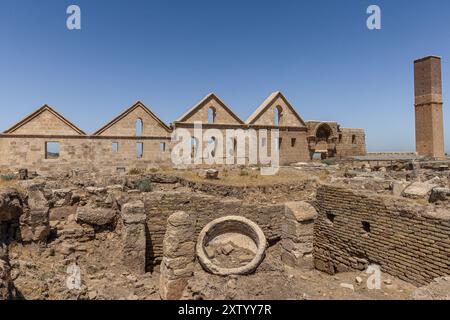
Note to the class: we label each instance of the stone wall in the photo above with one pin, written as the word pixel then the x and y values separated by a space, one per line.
pixel 355 229
pixel 293 144
pixel 24 144
pixel 159 206
pixel 88 153
pixel 351 142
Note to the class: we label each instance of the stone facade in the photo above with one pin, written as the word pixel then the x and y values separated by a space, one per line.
pixel 330 140
pixel 47 142
pixel 355 229
pixel 428 107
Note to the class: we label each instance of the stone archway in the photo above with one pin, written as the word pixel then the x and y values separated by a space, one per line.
pixel 322 140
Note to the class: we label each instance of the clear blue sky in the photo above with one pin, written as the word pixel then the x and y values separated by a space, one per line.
pixel 169 54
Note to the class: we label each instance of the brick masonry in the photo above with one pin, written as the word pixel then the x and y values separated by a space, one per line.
pixel 428 107
pixel 355 229
pixel 159 206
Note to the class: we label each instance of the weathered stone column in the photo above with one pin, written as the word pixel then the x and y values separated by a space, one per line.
pixel 134 237
pixel 177 265
pixel 297 234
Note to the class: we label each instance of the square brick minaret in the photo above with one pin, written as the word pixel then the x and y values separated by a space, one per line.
pixel 428 107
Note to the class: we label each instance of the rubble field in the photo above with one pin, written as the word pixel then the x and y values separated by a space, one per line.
pixel 133 236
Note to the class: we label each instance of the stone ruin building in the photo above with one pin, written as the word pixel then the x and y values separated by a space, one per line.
pixel 137 138
pixel 314 234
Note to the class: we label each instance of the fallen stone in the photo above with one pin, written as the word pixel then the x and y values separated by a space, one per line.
pixel 96 215
pixel 347 286
pixel 212 174
pixel 418 190
pixel 439 194
pixel 227 249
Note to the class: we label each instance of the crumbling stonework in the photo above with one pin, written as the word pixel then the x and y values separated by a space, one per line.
pixel 11 208
pixel 134 237
pixel 177 265
pixel 34 223
pixel 6 284
pixel 159 206
pixel 114 147
pixel 297 234
pixel 355 229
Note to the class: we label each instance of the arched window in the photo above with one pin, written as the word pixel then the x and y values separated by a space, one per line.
pixel 211 115
pixel 323 133
pixel 353 139
pixel 139 126
pixel 194 146
pixel 278 115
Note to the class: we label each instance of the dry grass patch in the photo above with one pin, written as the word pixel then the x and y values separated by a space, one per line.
pixel 244 176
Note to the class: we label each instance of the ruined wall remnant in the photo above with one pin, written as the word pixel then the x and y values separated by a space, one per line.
pixel 11 208
pixel 177 265
pixel 6 284
pixel 330 140
pixel 34 223
pixel 159 206
pixel 134 237
pixel 48 143
pixel 297 234
pixel 355 229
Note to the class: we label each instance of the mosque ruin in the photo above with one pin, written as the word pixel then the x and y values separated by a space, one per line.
pixel 105 216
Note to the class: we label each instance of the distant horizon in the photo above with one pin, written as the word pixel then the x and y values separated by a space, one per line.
pixel 170 54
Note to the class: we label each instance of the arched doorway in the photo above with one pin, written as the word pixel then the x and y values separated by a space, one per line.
pixel 323 137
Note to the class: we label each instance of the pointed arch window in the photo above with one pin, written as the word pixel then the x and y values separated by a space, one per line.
pixel 278 115
pixel 139 127
pixel 211 115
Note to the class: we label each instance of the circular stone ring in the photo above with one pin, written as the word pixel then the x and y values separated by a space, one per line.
pixel 231 224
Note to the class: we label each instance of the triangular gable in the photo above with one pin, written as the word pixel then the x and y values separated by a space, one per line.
pixel 129 111
pixel 267 103
pixel 42 122
pixel 204 102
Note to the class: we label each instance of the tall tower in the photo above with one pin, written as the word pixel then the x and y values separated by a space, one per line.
pixel 428 107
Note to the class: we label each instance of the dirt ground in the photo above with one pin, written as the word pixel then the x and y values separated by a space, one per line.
pixel 41 273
